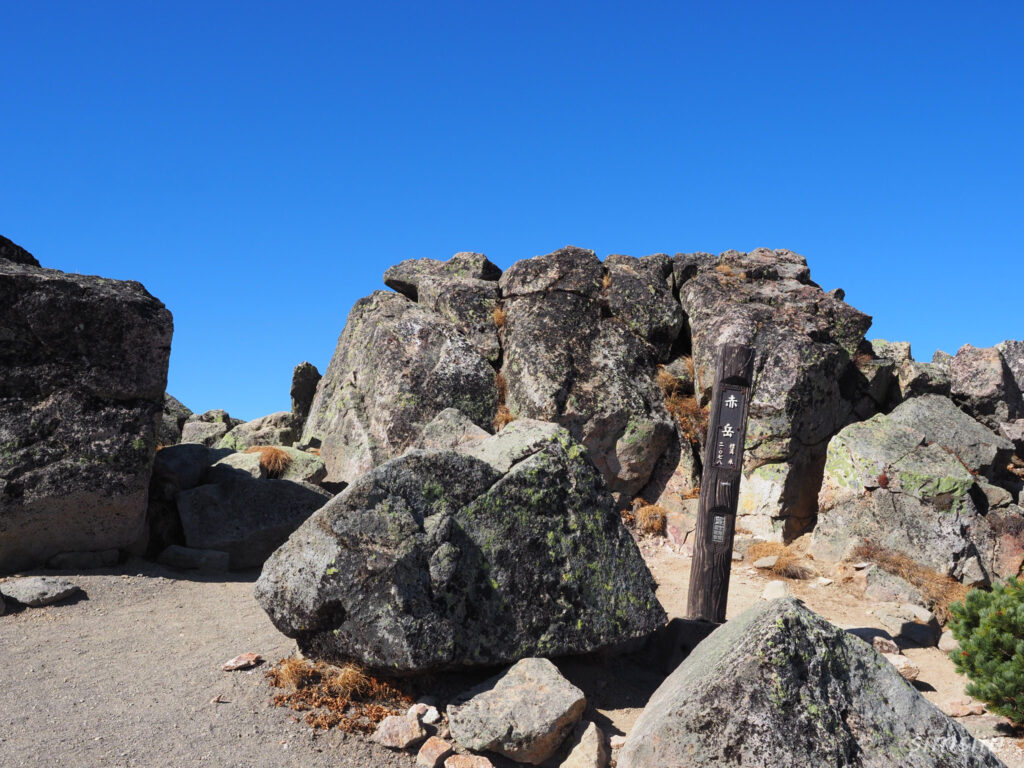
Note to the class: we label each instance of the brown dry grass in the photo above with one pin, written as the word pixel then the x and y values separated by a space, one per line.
pixel 502 418
pixel 938 589
pixel 499 316
pixel 650 518
pixel 693 420
pixel 862 358
pixel 344 697
pixel 790 565
pixel 502 386
pixel 725 269
pixel 273 459
pixel 606 282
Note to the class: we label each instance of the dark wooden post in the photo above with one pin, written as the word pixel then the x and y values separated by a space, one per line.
pixel 720 484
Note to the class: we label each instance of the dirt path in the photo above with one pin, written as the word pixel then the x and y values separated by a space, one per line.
pixel 128 675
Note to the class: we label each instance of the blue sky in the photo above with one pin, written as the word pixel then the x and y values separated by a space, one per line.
pixel 258 166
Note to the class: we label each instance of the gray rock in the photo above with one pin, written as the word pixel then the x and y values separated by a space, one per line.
pixel 775 589
pixel 16 254
pixel 942 359
pixel 566 363
pixel 779 685
pixel 1012 353
pixel 84 363
pixel 37 591
pixel 398 732
pixel 406 277
pixel 245 517
pixel 640 295
pixel 208 428
pixel 305 378
pixel 883 484
pixel 916 379
pixel 766 562
pixel 948 643
pixel 905 625
pixel 883 587
pixel 188 559
pixel 397 365
pixel 940 421
pixel 984 386
pixel 896 351
pixel 469 305
pixel 524 714
pixel 281 429
pixel 177 468
pixel 172 420
pixel 450 430
pixel 804 386
pixel 83 561
pixel 1014 432
pixel 439 560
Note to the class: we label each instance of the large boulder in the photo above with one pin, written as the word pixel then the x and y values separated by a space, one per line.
pixel 884 483
pixel 940 421
pixel 1012 353
pixel 640 294
pixel 470 306
pixel 407 276
pixel 804 387
pixel 84 363
pixel 15 254
pixel 397 365
pixel 172 421
pixel 305 377
pixel 565 362
pixel 208 428
pixel 245 516
pixel 779 685
pixel 984 386
pixel 912 378
pixel 281 428
pixel 439 560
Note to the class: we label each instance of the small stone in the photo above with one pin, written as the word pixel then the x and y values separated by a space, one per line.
pixel 775 590
pixel 737 556
pixel 616 742
pixel 921 614
pixel 433 752
pixel 961 708
pixel 468 761
pixel 431 716
pixel 417 711
pixel 861 566
pixel 588 749
pixel 885 645
pixel 37 591
pixel 766 562
pixel 397 732
pixel 823 581
pixel 908 669
pixel 948 643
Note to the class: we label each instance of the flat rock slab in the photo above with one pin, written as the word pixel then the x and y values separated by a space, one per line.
pixel 524 714
pixel 37 591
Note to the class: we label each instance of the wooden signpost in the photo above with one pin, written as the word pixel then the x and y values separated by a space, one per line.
pixel 720 484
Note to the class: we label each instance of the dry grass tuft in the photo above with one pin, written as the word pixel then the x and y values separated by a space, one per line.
pixel 343 697
pixel 502 386
pixel 725 269
pixel 606 282
pixel 668 383
pixel 273 459
pixel 502 418
pixel 651 518
pixel 499 315
pixel 693 420
pixel 789 565
pixel 938 589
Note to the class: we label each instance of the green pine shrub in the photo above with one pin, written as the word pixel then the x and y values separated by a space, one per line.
pixel 990 629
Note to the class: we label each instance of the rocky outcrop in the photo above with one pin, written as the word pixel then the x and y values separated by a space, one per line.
pixel 779 685
pixel 305 377
pixel 281 428
pixel 804 386
pixel 397 365
pixel 208 428
pixel 407 277
pixel 84 363
pixel 15 254
pixel 912 378
pixel 567 363
pixel 440 560
pixel 984 386
pixel 910 489
pixel 524 714
pixel 640 295
pixel 172 421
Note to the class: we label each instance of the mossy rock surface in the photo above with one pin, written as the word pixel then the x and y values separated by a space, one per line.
pixel 439 560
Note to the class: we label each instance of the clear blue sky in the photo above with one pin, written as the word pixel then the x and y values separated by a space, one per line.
pixel 258 165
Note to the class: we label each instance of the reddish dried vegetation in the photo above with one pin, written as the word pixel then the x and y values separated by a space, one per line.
pixel 938 589
pixel 273 459
pixel 789 564
pixel 336 697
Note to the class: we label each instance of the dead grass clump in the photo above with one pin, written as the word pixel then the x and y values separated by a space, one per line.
pixel 502 418
pixel 651 518
pixel 502 386
pixel 725 269
pixel 344 697
pixel 666 381
pixel 789 564
pixel 693 420
pixel 499 315
pixel 938 589
pixel 273 459
pixel 606 282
